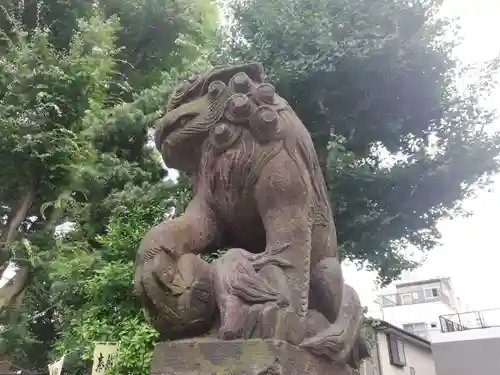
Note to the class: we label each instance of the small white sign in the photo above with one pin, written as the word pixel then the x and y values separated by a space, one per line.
pixel 56 367
pixel 104 357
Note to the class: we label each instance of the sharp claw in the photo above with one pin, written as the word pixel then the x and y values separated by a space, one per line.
pixel 270 260
pixel 329 345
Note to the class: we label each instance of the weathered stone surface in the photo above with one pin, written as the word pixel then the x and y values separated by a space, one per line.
pixel 258 191
pixel 239 357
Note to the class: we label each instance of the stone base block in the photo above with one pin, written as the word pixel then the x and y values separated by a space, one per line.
pixel 238 357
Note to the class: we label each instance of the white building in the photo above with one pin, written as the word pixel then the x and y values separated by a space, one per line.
pixel 416 305
pixel 469 344
pixel 397 352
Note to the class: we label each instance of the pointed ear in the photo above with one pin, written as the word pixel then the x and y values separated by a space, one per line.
pixel 225 72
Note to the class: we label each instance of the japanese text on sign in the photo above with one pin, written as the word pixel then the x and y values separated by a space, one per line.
pixel 104 357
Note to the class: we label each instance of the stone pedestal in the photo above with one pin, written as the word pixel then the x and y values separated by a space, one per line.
pixel 238 357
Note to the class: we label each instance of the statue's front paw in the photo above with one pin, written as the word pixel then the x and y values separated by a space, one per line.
pixel 177 295
pixel 281 324
pixel 268 320
pixel 240 325
pixel 231 332
pixel 265 259
pixel 329 343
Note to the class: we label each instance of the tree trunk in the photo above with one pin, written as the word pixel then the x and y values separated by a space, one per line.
pixel 12 291
pixel 17 216
pixel 8 235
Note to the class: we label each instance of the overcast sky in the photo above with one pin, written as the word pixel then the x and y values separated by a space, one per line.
pixel 470 251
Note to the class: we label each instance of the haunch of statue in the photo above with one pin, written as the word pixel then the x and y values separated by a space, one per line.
pixel 258 190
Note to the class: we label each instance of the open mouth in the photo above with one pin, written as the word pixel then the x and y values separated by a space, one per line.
pixel 164 129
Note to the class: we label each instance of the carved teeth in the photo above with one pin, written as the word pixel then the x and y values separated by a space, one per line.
pixel 216 88
pixel 240 83
pixel 265 93
pixel 240 106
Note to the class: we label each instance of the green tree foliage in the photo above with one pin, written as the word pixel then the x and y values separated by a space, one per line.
pixel 79 55
pixel 401 139
pixel 400 143
pixel 91 266
pixel 95 286
pixel 154 35
pixel 45 80
pixel 44 95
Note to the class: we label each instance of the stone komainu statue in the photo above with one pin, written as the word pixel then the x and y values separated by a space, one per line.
pixel 258 190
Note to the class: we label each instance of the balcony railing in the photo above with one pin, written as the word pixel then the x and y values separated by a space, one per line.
pixel 470 320
pixel 412 298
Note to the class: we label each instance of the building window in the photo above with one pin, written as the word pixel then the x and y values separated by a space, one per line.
pixel 396 350
pixel 419 329
pixel 409 327
pixel 388 300
pixel 406 299
pixel 431 293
